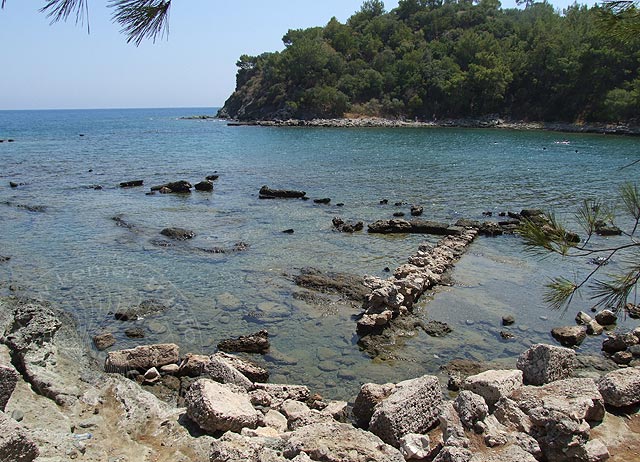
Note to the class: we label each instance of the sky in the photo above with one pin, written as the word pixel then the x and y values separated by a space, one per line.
pixel 61 66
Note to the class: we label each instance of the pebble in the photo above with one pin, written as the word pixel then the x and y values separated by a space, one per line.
pixel 17 415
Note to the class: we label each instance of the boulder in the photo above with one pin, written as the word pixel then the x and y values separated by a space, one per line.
pixel 511 416
pixel 223 372
pixel 577 399
pixel 570 335
pixel 338 442
pixel 619 342
pixel 593 328
pixel 104 341
pixel 142 358
pixel 145 308
pixel 178 234
pixel 324 200
pixel 416 210
pixel 471 408
pixel 412 407
pixel 369 396
pixel 268 193
pixel 8 380
pixel 604 229
pixel 15 444
pixel 275 420
pixel 606 318
pixel 583 318
pixel 493 384
pixel 633 311
pixel 206 186
pixel 508 320
pixel 250 370
pixel 414 446
pixel 543 363
pixel 217 407
pixel 451 426
pixel 233 447
pixel 453 454
pixel 212 177
pixel 193 365
pixel 621 388
pixel 344 227
pixel 253 343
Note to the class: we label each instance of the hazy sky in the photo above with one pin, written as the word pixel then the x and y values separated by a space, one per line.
pixel 61 66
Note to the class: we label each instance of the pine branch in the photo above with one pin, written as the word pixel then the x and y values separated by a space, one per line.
pixel 142 19
pixel 61 10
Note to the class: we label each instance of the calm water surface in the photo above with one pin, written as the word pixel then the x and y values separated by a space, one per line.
pixel 74 254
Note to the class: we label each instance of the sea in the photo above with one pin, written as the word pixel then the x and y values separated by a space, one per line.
pixel 65 247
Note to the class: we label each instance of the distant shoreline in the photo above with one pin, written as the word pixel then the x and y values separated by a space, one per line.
pixel 375 122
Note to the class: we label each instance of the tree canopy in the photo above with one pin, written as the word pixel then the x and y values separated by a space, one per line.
pixel 450 58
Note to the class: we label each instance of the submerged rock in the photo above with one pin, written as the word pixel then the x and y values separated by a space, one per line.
pixel 145 308
pixel 176 187
pixel 349 285
pixel 104 341
pixel 268 193
pixel 206 185
pixel 253 343
pixel 131 184
pixel 344 227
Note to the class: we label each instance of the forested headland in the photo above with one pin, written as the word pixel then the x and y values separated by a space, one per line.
pixel 434 59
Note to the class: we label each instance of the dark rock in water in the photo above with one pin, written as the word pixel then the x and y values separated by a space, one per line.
pixel 288 231
pixel 348 285
pixel 131 184
pixel 206 185
pixel 506 335
pixel 237 247
pixel 490 228
pixel 600 261
pixel 633 311
pixel 398 214
pixel 33 208
pixel 340 204
pixel 177 187
pixel 134 332
pixel 326 200
pixel 13 184
pixel 97 187
pixel 4 258
pixel 435 328
pixel 604 229
pixel 390 226
pixel 514 215
pixel 606 318
pixel 145 308
pixel 212 177
pixel 569 336
pixel 502 214
pixel 384 201
pixel 340 225
pixel 254 343
pixel 619 342
pixel 487 214
pixel 268 193
pixel 416 210
pixel 399 204
pixel 466 223
pixel 508 320
pixel 240 246
pixel 179 234
pixel 122 223
pixel 104 341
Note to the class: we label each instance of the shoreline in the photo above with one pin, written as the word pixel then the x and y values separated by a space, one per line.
pixel 498 123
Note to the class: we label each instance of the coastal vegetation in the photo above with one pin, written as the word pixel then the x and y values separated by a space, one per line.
pixel 430 59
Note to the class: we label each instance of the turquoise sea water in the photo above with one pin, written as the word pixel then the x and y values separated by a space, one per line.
pixel 72 252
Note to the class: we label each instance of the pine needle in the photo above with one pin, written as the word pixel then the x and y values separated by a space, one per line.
pixel 142 19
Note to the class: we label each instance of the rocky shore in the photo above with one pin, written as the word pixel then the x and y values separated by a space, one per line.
pixel 489 122
pixel 57 403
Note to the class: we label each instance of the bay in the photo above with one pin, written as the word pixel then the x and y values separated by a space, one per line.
pixel 71 251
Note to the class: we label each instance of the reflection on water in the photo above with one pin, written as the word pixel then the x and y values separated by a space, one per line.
pixel 76 255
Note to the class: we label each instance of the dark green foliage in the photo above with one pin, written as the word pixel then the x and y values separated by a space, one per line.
pixel 447 58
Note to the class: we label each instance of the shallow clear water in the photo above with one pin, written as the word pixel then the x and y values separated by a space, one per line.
pixel 74 254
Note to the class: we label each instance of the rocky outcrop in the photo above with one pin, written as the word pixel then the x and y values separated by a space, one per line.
pixel 396 296
pixel 253 343
pixel 267 193
pixel 217 407
pixel 621 388
pixel 412 407
pixel 142 358
pixel 493 385
pixel 15 444
pixel 542 364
